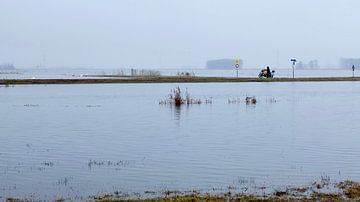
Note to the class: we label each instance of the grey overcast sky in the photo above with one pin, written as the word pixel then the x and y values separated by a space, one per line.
pixel 176 33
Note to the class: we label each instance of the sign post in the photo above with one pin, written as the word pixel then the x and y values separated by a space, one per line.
pixel 237 65
pixel 293 66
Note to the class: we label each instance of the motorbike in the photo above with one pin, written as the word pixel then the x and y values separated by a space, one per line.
pixel 264 74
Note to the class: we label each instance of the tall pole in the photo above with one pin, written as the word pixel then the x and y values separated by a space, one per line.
pixel 293 71
pixel 293 67
pixel 237 65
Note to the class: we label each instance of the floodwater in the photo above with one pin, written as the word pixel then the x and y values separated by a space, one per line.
pixel 73 141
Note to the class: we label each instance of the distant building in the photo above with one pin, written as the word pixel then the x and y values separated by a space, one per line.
pixel 347 63
pixel 222 64
pixel 7 66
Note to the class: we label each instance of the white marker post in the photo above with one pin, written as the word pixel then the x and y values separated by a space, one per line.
pixel 237 65
pixel 293 66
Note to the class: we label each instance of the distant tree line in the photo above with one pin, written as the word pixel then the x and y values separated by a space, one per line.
pixel 347 63
pixel 312 64
pixel 7 66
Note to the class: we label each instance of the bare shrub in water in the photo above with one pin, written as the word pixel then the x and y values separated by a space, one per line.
pixel 251 100
pixel 176 98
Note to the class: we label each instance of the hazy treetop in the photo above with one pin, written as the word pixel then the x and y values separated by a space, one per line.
pixel 176 33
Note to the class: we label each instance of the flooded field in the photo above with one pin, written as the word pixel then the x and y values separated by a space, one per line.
pixel 76 141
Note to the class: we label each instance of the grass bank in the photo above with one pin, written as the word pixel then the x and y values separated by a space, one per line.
pixel 321 190
pixel 163 79
pixel 343 191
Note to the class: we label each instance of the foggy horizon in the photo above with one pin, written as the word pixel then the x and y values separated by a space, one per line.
pixel 176 34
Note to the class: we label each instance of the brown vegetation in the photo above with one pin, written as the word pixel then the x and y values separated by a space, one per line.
pixel 177 98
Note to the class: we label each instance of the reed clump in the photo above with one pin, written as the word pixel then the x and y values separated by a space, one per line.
pixel 177 98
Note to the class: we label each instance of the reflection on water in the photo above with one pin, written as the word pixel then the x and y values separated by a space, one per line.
pixel 178 112
pixel 81 140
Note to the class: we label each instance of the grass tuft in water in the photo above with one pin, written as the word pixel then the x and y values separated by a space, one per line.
pixel 177 98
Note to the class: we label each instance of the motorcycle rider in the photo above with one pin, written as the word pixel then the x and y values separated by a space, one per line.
pixel 268 72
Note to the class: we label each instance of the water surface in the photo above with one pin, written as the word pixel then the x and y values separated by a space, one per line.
pixel 60 141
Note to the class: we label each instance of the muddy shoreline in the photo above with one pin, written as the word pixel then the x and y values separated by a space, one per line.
pixel 322 190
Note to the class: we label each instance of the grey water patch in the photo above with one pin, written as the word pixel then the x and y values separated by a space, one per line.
pixel 135 144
